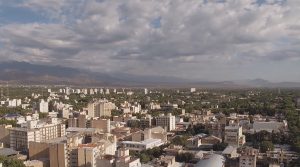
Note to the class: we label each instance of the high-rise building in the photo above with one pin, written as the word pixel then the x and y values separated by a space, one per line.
pixel 248 157
pixel 166 121
pixel 146 122
pixel 4 135
pixel 100 108
pixel 234 136
pixel 68 91
pixel 35 131
pixel 58 155
pixel 107 91
pixel 43 106
pixel 87 154
pixel 298 102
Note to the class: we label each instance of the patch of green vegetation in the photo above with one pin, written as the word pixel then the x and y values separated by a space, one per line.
pixel 11 162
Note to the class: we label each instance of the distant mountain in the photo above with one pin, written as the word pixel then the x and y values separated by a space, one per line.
pixel 254 83
pixel 27 73
pixel 261 83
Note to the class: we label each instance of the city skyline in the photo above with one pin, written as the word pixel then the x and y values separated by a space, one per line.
pixel 206 40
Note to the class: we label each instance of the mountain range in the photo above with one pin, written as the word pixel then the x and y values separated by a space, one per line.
pixel 26 73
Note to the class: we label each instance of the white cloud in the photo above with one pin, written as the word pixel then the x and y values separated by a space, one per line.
pixel 129 36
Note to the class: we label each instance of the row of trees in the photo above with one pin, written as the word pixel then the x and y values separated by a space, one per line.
pixel 149 154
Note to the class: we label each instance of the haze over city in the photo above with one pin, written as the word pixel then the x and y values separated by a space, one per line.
pixel 203 40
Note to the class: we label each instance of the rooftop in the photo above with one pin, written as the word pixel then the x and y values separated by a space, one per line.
pixel 8 152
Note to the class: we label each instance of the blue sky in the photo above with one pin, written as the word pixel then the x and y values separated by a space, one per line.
pixel 212 40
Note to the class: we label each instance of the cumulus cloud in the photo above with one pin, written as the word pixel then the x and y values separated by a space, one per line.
pixel 172 37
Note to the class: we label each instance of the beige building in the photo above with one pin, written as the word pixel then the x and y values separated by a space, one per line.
pixel 57 152
pixel 102 124
pixel 4 135
pixel 151 133
pixel 58 155
pixel 248 157
pixel 234 136
pixel 35 131
pixel 81 121
pixel 123 159
pixel 122 118
pixel 100 108
pixel 52 154
pixel 34 163
pixel 87 154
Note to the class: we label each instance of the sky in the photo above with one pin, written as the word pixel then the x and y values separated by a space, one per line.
pixel 205 40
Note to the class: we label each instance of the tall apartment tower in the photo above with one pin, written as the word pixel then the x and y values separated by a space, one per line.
pixel 166 121
pixel 100 108
pixel 35 131
pixel 58 155
pixel 43 106
pixel 87 154
pixel 248 157
pixel 234 135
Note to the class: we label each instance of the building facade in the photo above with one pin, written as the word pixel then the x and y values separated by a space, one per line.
pixel 166 121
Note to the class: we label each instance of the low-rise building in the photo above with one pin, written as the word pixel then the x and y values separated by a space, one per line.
pixel 142 145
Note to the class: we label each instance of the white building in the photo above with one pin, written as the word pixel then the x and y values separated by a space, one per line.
pixel 43 106
pixel 35 131
pixel 14 103
pixel 136 108
pixel 268 126
pixel 68 91
pixel 142 145
pixel 166 121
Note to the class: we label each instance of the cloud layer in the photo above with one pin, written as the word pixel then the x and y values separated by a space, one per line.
pixel 209 39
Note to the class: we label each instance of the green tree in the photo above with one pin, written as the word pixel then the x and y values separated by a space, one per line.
pixel 179 140
pixel 8 122
pixel 266 146
pixel 219 146
pixel 11 162
pixel 144 158
pixel 184 157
